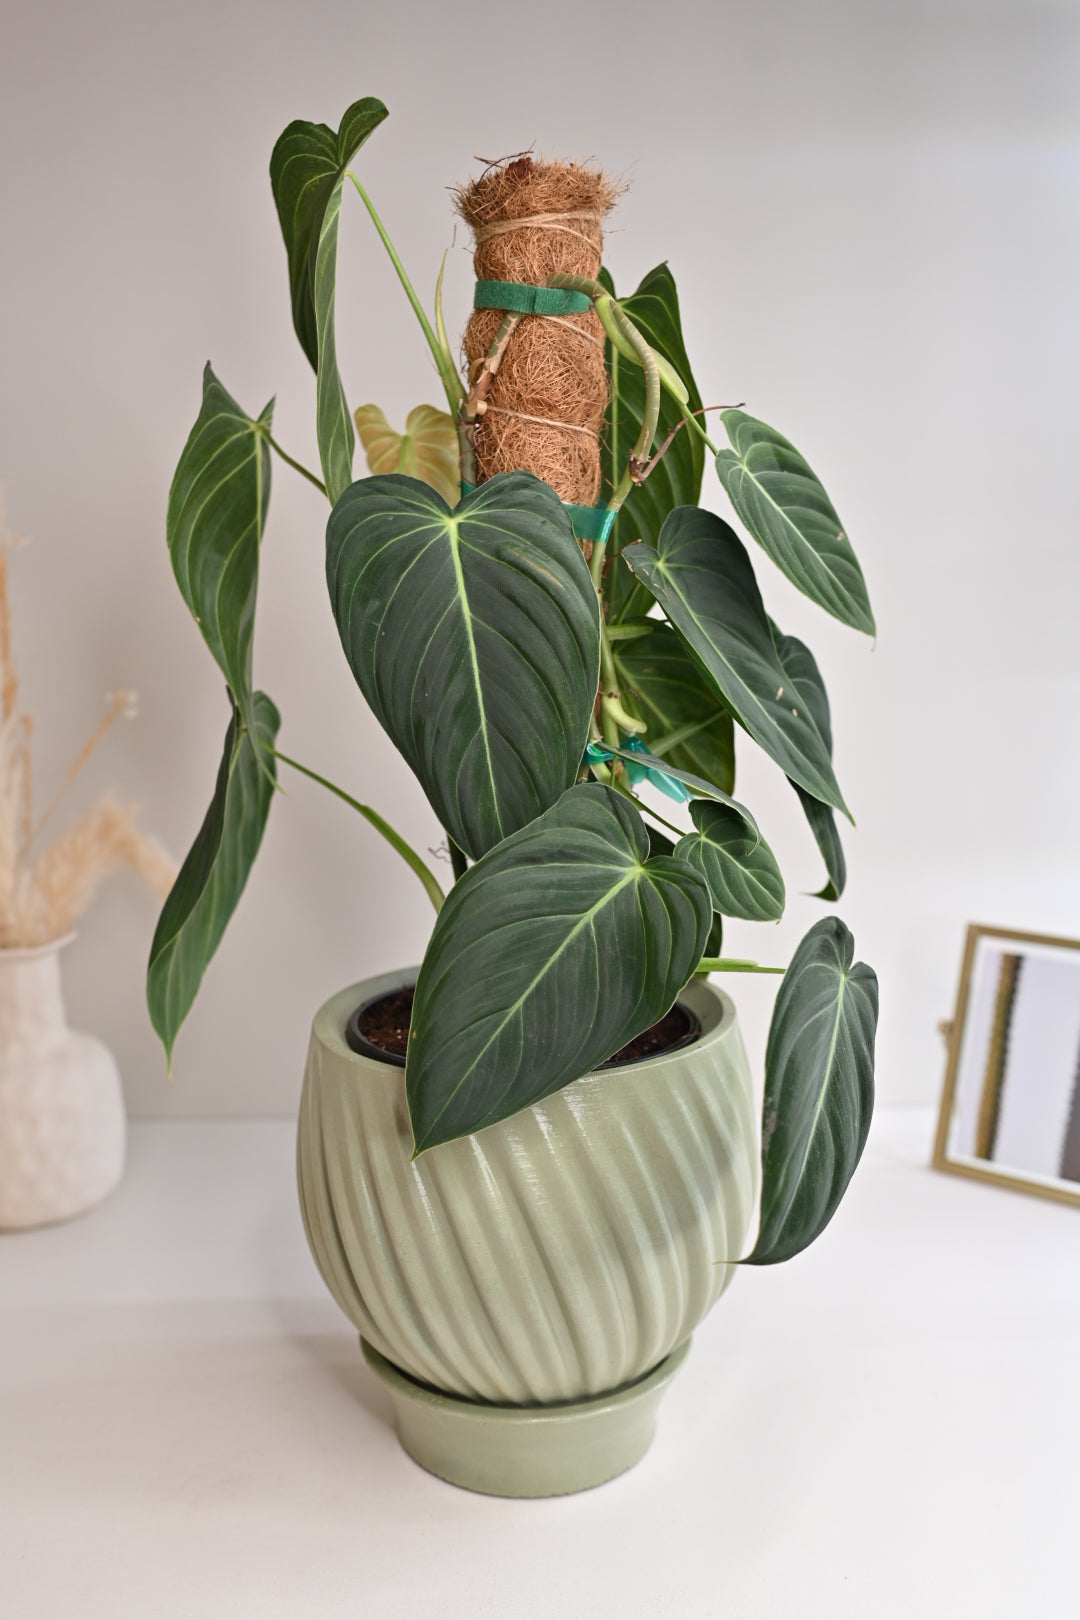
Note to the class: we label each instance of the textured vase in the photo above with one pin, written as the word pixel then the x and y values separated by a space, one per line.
pixel 552 1258
pixel 62 1121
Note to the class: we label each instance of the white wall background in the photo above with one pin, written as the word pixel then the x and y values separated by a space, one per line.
pixel 871 210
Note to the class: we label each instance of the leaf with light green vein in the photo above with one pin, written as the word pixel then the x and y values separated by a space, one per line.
pixel 819 1090
pixel 741 871
pixel 789 514
pixel 700 574
pixel 659 844
pixel 214 526
pixel 306 167
pixel 805 678
pixel 474 634
pixel 307 172
pixel 676 480
pixel 549 955
pixel 661 685
pixel 213 876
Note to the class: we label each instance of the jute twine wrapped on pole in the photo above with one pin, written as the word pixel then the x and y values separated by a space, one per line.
pixel 537 380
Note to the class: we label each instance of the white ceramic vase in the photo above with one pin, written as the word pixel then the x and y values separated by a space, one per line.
pixel 62 1121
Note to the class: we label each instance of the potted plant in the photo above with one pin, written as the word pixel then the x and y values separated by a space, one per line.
pixel 524 1233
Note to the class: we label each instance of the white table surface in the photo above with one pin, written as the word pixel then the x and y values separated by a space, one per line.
pixel 887 1426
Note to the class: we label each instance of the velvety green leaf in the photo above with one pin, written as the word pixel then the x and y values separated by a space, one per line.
pixel 550 953
pixel 307 172
pixel 788 512
pixel 700 574
pixel 333 424
pixel 214 525
pixel 213 876
pixel 676 481
pixel 661 685
pixel 306 167
pixel 805 678
pixel 740 870
pixel 819 1090
pixel 474 635
pixel 659 844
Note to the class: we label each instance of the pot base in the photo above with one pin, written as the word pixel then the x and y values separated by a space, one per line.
pixel 526 1450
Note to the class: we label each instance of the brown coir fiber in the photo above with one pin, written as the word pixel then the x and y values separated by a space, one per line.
pixel 545 407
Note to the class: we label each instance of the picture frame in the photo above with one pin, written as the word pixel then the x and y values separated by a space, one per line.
pixel 1010 1105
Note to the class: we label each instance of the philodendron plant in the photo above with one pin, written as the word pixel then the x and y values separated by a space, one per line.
pixel 532 681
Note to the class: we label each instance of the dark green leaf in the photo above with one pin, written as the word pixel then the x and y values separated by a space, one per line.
pixel 307 172
pixel 549 954
pixel 661 845
pixel 474 635
pixel 676 481
pixel 216 515
pixel 805 677
pixel 701 576
pixel 740 870
pixel 819 1090
pixel 788 512
pixel 306 167
pixel 688 728
pixel 213 876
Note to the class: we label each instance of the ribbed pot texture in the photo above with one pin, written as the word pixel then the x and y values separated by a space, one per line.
pixel 552 1257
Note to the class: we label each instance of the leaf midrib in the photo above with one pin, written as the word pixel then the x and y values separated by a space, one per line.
pixel 585 921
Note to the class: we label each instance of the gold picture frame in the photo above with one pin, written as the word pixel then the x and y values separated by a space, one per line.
pixel 1005 1100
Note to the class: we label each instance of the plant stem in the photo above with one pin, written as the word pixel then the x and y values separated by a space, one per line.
pixel 406 851
pixel 731 964
pixel 310 476
pixel 450 379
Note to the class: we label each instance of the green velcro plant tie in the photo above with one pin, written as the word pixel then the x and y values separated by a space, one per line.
pixel 524 299
pixel 589 522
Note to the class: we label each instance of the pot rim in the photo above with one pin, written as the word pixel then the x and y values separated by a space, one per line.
pixel 330 1022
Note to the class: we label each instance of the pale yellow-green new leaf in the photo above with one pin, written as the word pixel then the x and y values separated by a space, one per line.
pixel 428 449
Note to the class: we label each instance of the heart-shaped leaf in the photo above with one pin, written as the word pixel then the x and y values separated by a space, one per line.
pixel 789 514
pixel 700 574
pixel 213 876
pixel 549 954
pixel 661 685
pixel 740 870
pixel 819 1090
pixel 804 677
pixel 214 525
pixel 306 167
pixel 474 635
pixel 428 449
pixel 676 480
pixel 307 171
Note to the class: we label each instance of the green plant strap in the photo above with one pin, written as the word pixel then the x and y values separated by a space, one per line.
pixel 589 522
pixel 525 299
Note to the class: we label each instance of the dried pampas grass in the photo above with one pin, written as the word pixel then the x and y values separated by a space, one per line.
pixel 44 889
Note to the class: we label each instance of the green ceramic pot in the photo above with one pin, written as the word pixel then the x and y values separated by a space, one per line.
pixel 547 1266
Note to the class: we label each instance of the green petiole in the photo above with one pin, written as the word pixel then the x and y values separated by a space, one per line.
pixel 406 851
pixel 451 382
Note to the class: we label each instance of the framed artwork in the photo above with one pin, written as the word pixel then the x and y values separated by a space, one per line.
pixel 1010 1110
